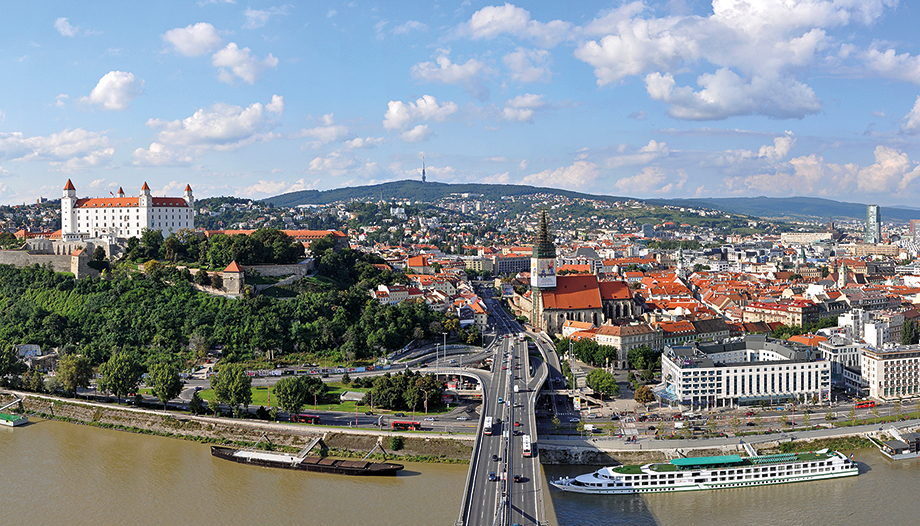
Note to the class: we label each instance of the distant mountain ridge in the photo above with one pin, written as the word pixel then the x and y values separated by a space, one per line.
pixel 417 190
pixel 794 208
pixel 798 207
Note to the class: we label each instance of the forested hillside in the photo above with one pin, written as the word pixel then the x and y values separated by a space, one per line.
pixel 165 321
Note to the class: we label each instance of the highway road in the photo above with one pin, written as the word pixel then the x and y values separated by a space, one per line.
pixel 494 496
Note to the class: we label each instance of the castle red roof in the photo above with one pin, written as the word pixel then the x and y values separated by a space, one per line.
pixel 233 267
pixel 69 185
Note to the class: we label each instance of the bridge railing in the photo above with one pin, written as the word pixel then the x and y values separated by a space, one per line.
pixel 474 458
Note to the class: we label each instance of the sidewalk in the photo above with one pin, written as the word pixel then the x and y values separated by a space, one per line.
pixel 614 444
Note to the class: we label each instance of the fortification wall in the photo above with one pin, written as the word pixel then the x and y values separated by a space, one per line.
pixel 20 258
pixel 281 270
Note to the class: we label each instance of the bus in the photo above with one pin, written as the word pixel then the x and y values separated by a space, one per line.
pixel 404 425
pixel 525 446
pixel 487 426
pixel 305 418
pixel 866 404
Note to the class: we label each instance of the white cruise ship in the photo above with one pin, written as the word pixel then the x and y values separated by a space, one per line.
pixel 726 471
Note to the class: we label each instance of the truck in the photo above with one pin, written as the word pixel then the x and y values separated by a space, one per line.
pixel 590 428
pixel 517 389
pixel 679 425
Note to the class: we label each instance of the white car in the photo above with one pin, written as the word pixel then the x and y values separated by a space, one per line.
pixel 462 418
pixel 429 419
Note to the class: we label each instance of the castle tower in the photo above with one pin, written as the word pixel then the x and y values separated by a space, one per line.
pixel 542 270
pixel 189 198
pixel 67 208
pixel 121 192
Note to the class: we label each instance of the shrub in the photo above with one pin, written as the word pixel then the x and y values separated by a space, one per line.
pixel 396 443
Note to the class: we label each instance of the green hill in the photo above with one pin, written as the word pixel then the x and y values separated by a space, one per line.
pixel 419 191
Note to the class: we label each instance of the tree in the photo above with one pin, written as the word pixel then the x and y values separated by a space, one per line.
pixel 196 405
pixel 648 375
pixel 202 278
pixel 644 394
pixel 73 372
pixel 711 426
pixel 120 374
pixel 346 379
pixel 603 382
pixel 232 386
pixel 9 361
pixel 217 281
pixel 99 254
pixel 806 420
pixel 292 393
pixel 165 381
pixel 829 416
pixel 736 424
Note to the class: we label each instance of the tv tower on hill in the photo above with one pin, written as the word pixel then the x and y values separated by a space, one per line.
pixel 423 168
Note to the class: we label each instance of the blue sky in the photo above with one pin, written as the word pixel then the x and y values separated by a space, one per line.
pixel 644 99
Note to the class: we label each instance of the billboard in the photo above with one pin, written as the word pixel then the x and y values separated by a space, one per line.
pixel 507 290
pixel 543 273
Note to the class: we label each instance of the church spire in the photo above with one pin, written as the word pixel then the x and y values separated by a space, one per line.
pixel 543 246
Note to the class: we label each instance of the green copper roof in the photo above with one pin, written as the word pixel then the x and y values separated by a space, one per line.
pixel 707 461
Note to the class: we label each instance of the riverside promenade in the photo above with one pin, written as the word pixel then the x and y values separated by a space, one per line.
pixel 614 444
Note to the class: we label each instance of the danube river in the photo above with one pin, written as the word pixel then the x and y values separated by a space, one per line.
pixel 884 493
pixel 59 473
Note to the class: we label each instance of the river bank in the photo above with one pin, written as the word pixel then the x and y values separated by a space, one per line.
pixel 342 442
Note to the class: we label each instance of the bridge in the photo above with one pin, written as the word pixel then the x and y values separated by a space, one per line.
pixel 504 484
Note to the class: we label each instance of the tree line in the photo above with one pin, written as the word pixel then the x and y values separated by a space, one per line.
pixel 163 322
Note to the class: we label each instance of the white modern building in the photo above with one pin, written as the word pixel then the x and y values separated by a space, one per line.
pixel 742 371
pixel 892 371
pixel 120 216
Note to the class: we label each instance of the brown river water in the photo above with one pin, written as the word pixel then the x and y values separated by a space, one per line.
pixel 59 473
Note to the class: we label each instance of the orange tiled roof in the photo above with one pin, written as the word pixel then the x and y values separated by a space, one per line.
pixel 575 291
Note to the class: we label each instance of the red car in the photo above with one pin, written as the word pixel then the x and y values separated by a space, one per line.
pixel 517 424
pixel 749 413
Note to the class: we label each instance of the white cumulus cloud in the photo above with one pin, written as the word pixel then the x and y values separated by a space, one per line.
pixel 522 107
pixel 529 65
pixel 416 134
pixel 910 123
pixel 115 90
pixel 193 40
pixel 493 21
pixel 64 28
pixel 67 151
pixel 222 127
pixel 469 74
pixel 401 115
pixel 256 18
pixel 651 179
pixel 580 174
pixel 327 133
pixel 236 62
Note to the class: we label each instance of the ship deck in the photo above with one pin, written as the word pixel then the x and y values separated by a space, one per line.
pixel 718 462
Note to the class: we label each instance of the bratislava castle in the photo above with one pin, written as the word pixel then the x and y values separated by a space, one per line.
pixel 122 216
